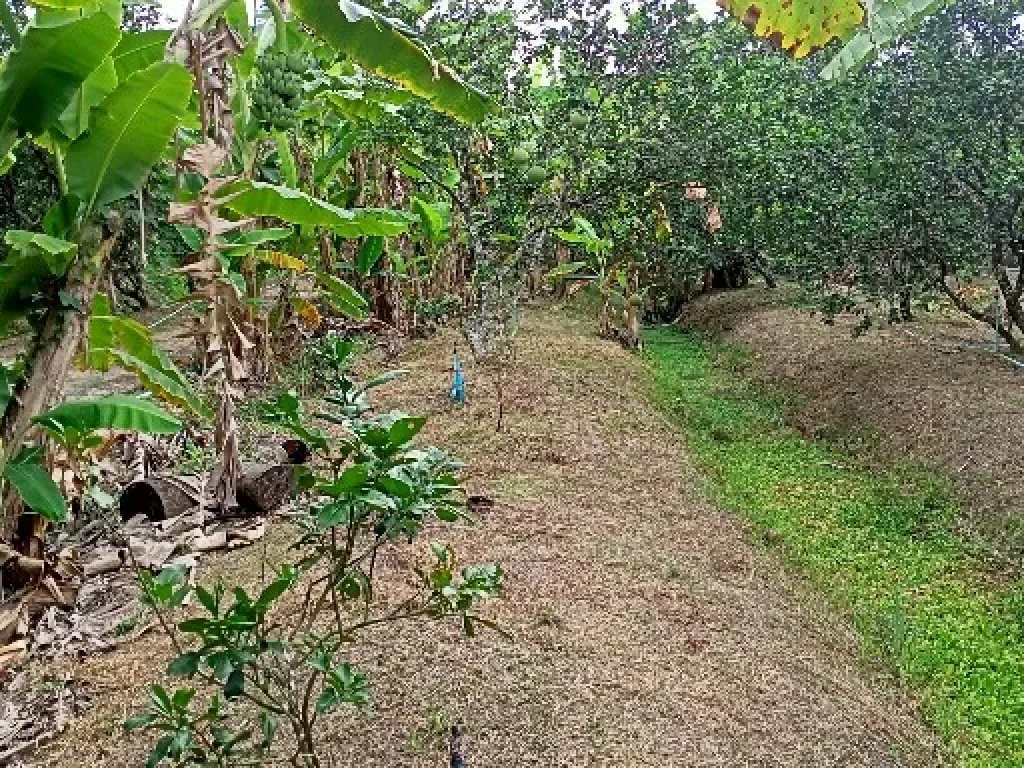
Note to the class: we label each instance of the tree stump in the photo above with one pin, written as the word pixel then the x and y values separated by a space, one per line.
pixel 159 497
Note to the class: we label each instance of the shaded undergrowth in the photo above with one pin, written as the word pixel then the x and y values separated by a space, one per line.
pixel 881 546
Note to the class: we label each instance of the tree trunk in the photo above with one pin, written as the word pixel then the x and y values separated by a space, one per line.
pixel 50 360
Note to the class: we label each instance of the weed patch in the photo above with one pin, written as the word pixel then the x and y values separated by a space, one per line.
pixel 881 546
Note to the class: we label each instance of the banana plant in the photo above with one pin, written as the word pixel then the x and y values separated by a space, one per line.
pixel 105 104
pixel 75 428
pixel 597 270
pixel 268 80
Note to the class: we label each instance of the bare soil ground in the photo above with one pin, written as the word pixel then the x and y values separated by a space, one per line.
pixel 647 632
pixel 919 392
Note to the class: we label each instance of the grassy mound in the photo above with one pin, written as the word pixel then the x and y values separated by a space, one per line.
pixel 882 547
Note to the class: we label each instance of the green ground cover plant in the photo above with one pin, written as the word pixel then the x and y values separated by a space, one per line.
pixel 881 546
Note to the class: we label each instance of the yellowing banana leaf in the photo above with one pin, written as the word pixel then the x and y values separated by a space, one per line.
pixel 378 44
pixel 128 134
pixel 281 261
pixel 42 74
pixel 308 314
pixel 256 198
pixel 799 27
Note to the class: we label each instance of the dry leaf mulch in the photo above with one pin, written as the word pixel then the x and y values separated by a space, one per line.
pixel 646 631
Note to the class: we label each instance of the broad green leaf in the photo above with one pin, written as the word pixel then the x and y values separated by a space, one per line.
pixel 353 104
pixel 35 486
pixel 430 219
pixel 55 15
pixel 129 134
pixel 376 43
pixel 886 20
pixel 584 227
pixel 405 429
pixel 261 236
pixel 56 253
pixel 799 27
pixel 326 166
pixel 342 296
pixel 289 171
pixel 31 259
pixel 165 381
pixel 191 236
pixel 60 5
pixel 101 81
pixel 564 270
pixel 9 141
pixel 256 198
pixel 139 50
pixel 112 412
pixel 206 12
pixel 185 665
pixel 369 254
pixel 114 339
pixel 571 237
pixel 237 15
pixel 388 95
pixel 60 219
pixel 41 76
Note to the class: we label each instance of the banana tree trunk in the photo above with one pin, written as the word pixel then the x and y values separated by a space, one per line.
pixel 561 258
pixel 606 314
pixel 50 360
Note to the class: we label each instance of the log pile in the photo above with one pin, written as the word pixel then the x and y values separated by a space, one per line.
pixel 81 599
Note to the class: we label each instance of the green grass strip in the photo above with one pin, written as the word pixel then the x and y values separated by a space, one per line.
pixel 881 547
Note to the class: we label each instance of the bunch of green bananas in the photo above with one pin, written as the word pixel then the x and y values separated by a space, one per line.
pixel 279 86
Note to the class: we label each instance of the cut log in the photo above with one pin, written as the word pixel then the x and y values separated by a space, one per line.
pixel 264 488
pixel 160 496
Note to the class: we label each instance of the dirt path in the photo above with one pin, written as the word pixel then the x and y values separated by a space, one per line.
pixel 647 633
